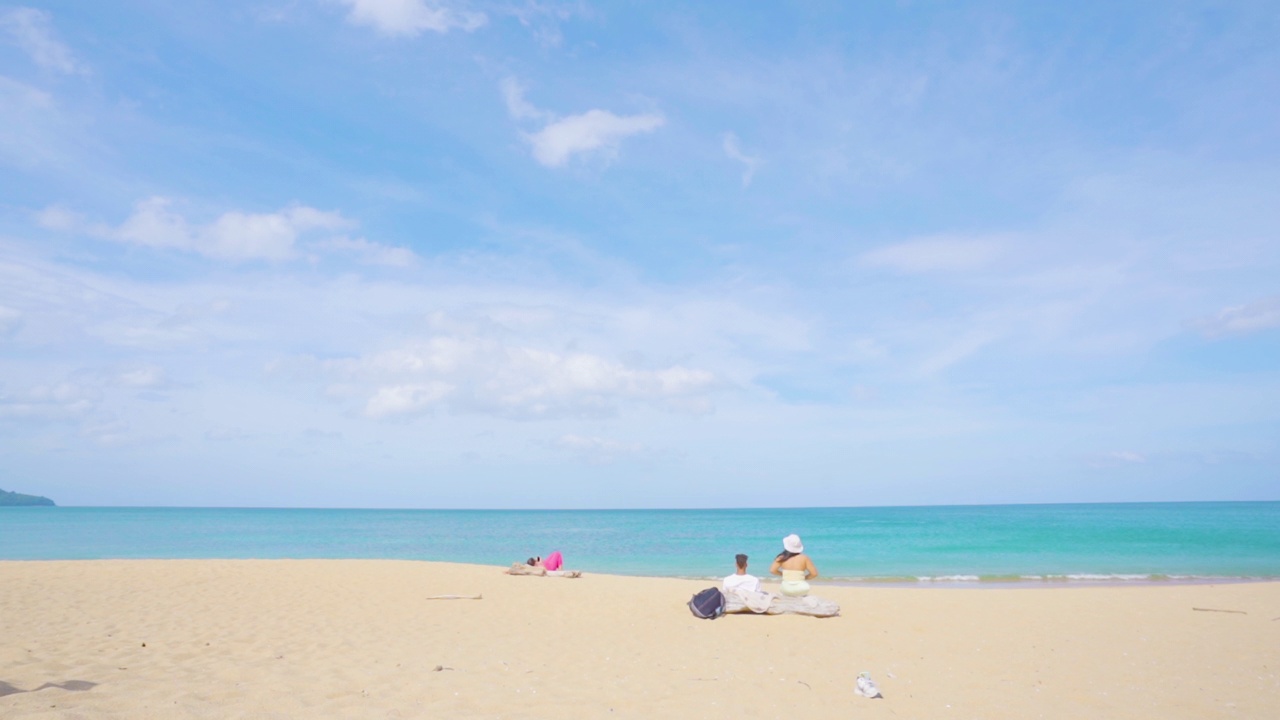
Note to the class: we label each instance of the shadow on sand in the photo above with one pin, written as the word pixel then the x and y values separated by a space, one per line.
pixel 69 685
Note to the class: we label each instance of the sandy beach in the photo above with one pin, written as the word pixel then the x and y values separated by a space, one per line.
pixel 361 639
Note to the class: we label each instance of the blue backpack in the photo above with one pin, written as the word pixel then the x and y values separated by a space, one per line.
pixel 708 604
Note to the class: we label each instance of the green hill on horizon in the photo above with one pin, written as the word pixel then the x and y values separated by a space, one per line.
pixel 14 499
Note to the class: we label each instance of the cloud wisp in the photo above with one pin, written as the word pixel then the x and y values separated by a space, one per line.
pixel 1261 314
pixel 543 19
pixel 9 320
pixel 594 132
pixel 366 252
pixel 32 31
pixel 233 236
pixel 598 450
pixel 410 18
pixel 933 254
pixel 60 401
pixel 734 151
pixel 518 107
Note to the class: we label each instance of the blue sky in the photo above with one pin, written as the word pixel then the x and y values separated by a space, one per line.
pixel 407 253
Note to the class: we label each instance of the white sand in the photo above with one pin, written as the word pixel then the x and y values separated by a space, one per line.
pixel 358 639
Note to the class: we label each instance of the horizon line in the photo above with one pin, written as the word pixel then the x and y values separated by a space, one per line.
pixel 650 509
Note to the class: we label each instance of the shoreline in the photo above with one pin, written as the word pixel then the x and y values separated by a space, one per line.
pixel 902 582
pixel 387 638
pixel 972 582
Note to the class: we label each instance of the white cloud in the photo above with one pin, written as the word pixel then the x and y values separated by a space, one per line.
pixel 958 350
pixel 152 224
pixel 56 217
pixel 227 434
pixel 1261 314
pixel 237 235
pixel 732 149
pixel 232 236
pixel 544 18
pixel 84 405
pixel 401 400
pixel 411 17
pixel 517 106
pixel 32 134
pixel 110 432
pixel 370 253
pixel 31 30
pixel 934 254
pixel 596 449
pixel 63 401
pixel 1128 456
pixel 562 138
pixel 864 393
pixel 142 377
pixel 556 143
pixel 155 323
pixel 9 319
pixel 489 376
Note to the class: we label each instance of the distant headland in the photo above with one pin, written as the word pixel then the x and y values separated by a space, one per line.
pixel 13 499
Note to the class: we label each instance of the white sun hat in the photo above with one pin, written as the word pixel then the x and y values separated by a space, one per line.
pixel 792 544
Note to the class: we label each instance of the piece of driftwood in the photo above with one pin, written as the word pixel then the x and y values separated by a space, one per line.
pixel 526 569
pixel 783 605
pixel 1238 612
pixel 456 597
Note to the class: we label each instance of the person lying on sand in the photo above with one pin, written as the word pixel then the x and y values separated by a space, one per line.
pixel 551 566
pixel 554 561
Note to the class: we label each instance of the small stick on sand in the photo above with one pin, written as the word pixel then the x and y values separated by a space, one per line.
pixel 1238 612
pixel 456 597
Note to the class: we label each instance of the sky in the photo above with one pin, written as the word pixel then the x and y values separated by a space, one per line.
pixel 541 254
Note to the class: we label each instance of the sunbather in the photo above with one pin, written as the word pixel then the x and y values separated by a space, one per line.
pixel 552 563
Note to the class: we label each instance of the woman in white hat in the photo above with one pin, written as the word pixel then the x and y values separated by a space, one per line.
pixel 794 566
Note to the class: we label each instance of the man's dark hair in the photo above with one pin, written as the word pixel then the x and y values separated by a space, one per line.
pixel 742 560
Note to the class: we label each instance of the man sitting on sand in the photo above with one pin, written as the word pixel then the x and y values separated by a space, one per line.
pixel 740 580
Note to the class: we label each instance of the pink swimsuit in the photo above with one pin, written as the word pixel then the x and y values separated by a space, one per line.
pixel 554 561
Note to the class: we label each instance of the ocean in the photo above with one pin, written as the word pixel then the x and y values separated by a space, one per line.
pixel 946 545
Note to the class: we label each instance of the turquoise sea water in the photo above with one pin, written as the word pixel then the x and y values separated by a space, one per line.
pixel 1013 543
